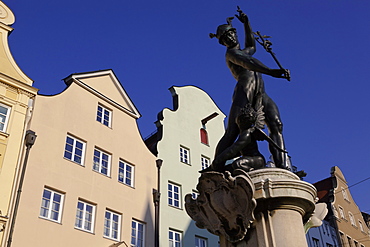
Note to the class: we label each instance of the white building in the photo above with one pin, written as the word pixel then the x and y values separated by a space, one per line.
pixel 185 140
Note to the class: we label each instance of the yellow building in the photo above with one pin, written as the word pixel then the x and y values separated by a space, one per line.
pixel 16 92
pixel 90 177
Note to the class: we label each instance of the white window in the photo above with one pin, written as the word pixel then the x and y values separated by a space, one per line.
pixel 341 212
pixel 200 242
pixel 4 117
pixel 137 234
pixel 74 150
pixel 335 211
pixel 126 173
pixel 101 162
pixel 85 216
pixel 112 225
pixel 184 155
pixel 51 205
pixel 174 195
pixel 104 115
pixel 361 226
pixel 344 193
pixel 174 238
pixel 352 219
pixel 205 162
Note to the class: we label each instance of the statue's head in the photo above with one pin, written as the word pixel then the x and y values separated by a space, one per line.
pixel 226 34
pixel 247 117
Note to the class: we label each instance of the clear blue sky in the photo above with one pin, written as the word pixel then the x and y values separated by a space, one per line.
pixel 152 45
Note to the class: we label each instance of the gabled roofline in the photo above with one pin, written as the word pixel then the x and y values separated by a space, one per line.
pixel 76 78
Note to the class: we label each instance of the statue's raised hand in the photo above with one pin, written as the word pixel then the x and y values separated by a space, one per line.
pixel 243 18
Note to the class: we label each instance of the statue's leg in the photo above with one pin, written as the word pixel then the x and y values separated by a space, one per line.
pixel 275 127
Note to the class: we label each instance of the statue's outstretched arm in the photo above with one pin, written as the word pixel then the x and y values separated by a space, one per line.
pixel 248 62
pixel 250 42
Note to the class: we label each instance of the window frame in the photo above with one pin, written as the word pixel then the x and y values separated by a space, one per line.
pixel 203 164
pixel 352 219
pixel 361 226
pixel 51 205
pixel 83 226
pixel 204 136
pixel 201 241
pixel 110 226
pixel 341 212
pixel 6 117
pixel 344 193
pixel 171 194
pixel 173 241
pixel 102 119
pixel 184 155
pixel 134 229
pixel 74 148
pixel 124 172
pixel 98 167
pixel 315 242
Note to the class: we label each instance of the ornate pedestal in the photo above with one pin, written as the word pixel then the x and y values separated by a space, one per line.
pixel 284 204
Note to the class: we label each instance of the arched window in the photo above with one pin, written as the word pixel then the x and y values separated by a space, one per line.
pixel 203 136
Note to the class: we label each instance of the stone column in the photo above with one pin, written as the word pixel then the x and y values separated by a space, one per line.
pixel 284 203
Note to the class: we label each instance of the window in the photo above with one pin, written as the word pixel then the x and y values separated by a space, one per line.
pixel 74 150
pixel 51 205
pixel 352 219
pixel 112 225
pixel 342 240
pixel 349 241
pixel 200 242
pixel 361 226
pixel 104 115
pixel 194 194
pixel 344 193
pixel 4 117
pixel 335 211
pixel 85 216
pixel 329 245
pixel 203 136
pixel 126 173
pixel 137 234
pixel 174 195
pixel 341 212
pixel 184 155
pixel 101 162
pixel 356 243
pixel 315 242
pixel 205 162
pixel 174 238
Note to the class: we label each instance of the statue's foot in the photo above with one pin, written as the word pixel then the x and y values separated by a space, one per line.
pixel 301 174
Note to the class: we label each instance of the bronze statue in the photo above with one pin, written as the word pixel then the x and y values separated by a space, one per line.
pixel 245 148
pixel 250 89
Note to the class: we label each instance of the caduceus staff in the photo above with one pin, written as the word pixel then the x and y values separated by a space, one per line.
pixel 263 40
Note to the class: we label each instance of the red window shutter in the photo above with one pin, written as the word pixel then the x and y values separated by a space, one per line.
pixel 203 136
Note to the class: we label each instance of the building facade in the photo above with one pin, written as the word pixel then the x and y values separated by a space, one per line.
pixel 344 215
pixel 16 96
pixel 185 140
pixel 89 176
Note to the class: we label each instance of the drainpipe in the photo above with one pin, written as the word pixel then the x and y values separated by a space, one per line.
pixel 156 199
pixel 29 141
